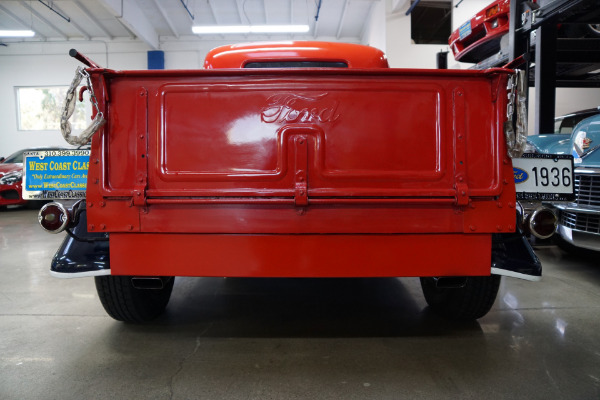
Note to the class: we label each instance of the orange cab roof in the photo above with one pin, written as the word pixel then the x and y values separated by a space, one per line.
pixel 238 55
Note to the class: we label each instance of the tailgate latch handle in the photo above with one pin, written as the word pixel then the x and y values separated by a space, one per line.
pixel 301 171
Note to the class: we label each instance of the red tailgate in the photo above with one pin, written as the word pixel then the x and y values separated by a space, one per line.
pixel 248 151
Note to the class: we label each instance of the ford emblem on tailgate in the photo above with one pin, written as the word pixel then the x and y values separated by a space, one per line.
pixel 520 175
pixel 289 107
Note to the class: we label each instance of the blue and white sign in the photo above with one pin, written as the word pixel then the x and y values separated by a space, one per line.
pixel 464 30
pixel 57 174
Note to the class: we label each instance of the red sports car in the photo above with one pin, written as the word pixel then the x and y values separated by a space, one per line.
pixel 479 37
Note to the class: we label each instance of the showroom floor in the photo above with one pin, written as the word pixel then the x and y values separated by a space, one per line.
pixel 292 338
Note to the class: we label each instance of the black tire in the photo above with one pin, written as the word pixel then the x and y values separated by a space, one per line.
pixel 466 303
pixel 125 303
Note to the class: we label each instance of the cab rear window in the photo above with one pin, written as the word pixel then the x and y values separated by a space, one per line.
pixel 296 64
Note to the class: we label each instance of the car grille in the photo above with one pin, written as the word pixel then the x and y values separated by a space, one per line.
pixel 587 195
pixel 587 190
pixel 581 221
pixel 10 195
pixel 473 37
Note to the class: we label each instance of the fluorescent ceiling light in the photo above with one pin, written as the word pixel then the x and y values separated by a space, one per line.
pixel 221 29
pixel 16 33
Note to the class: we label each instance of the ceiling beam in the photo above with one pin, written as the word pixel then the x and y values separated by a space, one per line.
pixel 165 16
pixel 20 21
pixel 265 11
pixel 44 20
pixel 367 24
pixel 92 18
pixel 241 12
pixel 73 23
pixel 342 18
pixel 129 13
pixel 212 11
pixel 214 14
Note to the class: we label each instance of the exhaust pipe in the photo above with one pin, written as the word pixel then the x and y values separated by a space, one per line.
pixel 542 223
pixel 148 282
pixel 450 282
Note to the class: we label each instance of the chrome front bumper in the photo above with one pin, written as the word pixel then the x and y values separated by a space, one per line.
pixel 579 221
pixel 582 239
pixel 580 227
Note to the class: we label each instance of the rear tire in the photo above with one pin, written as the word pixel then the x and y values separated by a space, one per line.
pixel 125 303
pixel 466 303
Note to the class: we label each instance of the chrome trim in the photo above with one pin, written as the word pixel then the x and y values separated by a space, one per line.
pixel 64 221
pixel 576 209
pixel 70 275
pixel 585 170
pixel 577 238
pixel 512 274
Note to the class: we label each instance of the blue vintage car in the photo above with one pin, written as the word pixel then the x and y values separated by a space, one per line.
pixel 579 221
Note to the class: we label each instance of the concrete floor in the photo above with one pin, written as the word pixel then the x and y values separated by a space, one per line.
pixel 292 339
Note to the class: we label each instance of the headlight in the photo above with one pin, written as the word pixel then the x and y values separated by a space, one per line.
pixel 11 178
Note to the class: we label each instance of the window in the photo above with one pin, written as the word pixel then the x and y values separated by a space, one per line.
pixel 40 108
pixel 431 22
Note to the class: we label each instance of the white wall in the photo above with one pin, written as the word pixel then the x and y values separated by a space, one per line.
pixel 402 53
pixel 375 31
pixel 568 100
pixel 48 64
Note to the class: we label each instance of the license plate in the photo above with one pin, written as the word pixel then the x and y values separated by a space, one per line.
pixel 57 174
pixel 546 177
pixel 464 30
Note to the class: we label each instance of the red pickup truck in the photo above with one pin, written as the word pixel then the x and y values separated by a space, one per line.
pixel 296 159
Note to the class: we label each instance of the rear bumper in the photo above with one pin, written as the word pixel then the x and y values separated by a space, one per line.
pixel 300 255
pixel 293 255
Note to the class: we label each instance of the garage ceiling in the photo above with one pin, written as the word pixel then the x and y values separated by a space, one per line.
pixel 156 21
